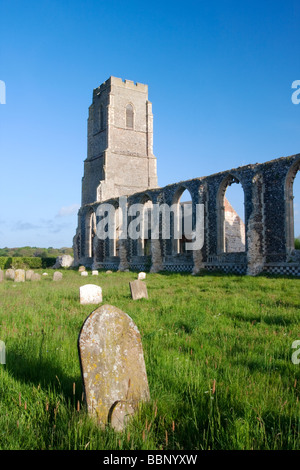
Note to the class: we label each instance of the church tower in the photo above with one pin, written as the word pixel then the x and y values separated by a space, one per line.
pixel 120 158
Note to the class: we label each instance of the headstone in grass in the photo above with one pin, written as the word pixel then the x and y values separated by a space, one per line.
pixel 141 276
pixel 112 366
pixel 57 276
pixel 138 290
pixel 81 269
pixel 84 273
pixel 109 271
pixel 95 272
pixel 2 353
pixel 1 275
pixel 36 277
pixel 90 294
pixel 29 274
pixel 10 274
pixel 19 275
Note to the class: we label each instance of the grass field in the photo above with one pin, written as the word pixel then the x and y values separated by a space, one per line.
pixel 218 353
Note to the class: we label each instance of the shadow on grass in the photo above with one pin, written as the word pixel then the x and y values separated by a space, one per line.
pixel 44 372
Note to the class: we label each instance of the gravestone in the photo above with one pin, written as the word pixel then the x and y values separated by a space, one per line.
pixel 112 366
pixel 2 353
pixel 84 273
pixel 29 274
pixel 81 268
pixel 90 294
pixel 57 276
pixel 141 276
pixel 10 274
pixel 36 277
pixel 45 274
pixel 138 290
pixel 1 275
pixel 95 273
pixel 19 275
pixel 109 272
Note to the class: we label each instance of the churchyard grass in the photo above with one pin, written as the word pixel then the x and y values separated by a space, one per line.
pixel 218 353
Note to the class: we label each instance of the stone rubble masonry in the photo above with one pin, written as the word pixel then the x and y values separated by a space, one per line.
pixel 120 159
pixel 120 162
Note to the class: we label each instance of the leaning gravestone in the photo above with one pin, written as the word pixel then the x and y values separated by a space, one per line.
pixel 112 366
pixel 36 277
pixel 90 294
pixel 138 290
pixel 141 276
pixel 57 276
pixel 1 275
pixel 19 275
pixel 10 274
pixel 29 274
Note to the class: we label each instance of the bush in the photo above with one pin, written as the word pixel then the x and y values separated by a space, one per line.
pixel 297 243
pixel 26 262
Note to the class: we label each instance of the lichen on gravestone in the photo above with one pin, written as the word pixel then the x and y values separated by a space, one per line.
pixel 112 366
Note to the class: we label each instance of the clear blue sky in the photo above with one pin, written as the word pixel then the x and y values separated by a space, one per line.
pixel 219 76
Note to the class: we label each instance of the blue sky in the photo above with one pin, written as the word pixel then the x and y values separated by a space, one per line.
pixel 219 76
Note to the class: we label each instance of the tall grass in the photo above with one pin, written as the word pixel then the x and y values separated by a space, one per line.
pixel 217 352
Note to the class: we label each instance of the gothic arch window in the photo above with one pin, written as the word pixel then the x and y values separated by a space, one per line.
pixel 290 210
pixel 129 116
pixel 231 225
pixel 183 205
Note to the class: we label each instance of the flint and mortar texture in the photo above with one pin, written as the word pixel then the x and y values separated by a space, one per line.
pixel 264 242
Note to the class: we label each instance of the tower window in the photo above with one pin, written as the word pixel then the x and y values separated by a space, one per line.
pixel 129 116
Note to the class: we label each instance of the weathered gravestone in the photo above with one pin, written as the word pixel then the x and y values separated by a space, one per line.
pixel 36 277
pixel 90 294
pixel 19 275
pixel 81 268
pixel 29 274
pixel 112 366
pixel 141 276
pixel 10 274
pixel 84 273
pixel 2 353
pixel 109 272
pixel 57 276
pixel 138 290
pixel 1 275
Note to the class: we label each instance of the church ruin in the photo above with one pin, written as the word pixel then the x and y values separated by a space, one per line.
pixel 120 162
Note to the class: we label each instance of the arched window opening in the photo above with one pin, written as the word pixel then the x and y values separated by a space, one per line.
pixel 234 219
pixel 118 228
pixel 129 116
pixel 184 222
pixel 292 198
pixel 144 245
pixel 90 233
pixel 296 201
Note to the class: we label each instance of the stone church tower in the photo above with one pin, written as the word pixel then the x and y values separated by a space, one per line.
pixel 120 158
